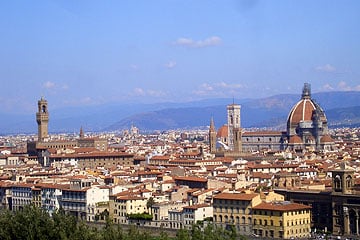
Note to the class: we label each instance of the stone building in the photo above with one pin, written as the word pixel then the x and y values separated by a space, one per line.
pixel 235 209
pixel 281 220
pixel 39 148
pixel 336 210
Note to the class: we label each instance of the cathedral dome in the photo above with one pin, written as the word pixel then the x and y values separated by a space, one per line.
pixel 222 132
pixel 295 140
pixel 326 139
pixel 302 111
pixel 305 113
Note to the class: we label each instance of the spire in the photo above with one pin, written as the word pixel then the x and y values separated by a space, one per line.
pixel 212 125
pixel 81 132
pixel 306 93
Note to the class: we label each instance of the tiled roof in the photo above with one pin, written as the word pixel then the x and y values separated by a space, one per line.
pixel 236 196
pixel 281 206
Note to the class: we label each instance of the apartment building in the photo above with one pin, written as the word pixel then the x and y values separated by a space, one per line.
pixel 235 209
pixel 194 213
pixel 22 195
pixel 125 203
pixel 283 220
pixel 81 198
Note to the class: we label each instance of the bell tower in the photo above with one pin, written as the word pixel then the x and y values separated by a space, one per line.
pixel 212 136
pixel 234 125
pixel 42 119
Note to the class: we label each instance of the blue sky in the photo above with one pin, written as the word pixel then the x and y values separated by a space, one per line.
pixel 95 52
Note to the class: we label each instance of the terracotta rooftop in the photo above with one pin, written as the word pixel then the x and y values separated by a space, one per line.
pixel 281 206
pixel 236 196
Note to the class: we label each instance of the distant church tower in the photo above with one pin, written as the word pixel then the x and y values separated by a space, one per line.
pixel 212 136
pixel 42 119
pixel 81 135
pixel 234 127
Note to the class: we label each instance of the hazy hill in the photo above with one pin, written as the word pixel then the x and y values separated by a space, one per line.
pixel 342 109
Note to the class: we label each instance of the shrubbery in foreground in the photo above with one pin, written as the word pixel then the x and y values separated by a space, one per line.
pixel 33 223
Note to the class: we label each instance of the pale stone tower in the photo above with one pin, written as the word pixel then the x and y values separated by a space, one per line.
pixel 343 179
pixel 234 131
pixel 42 119
pixel 212 136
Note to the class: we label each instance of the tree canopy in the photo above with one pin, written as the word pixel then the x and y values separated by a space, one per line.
pixel 32 223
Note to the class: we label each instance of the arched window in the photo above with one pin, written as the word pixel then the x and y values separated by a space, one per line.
pixel 348 181
pixel 337 182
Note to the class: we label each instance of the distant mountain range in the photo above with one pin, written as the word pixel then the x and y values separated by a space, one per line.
pixel 341 108
pixel 271 112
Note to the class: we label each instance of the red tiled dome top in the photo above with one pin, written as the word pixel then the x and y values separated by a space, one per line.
pixel 306 110
pixel 222 132
pixel 295 139
pixel 302 111
pixel 326 139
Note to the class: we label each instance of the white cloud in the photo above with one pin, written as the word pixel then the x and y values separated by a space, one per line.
pixel 53 87
pixel 326 68
pixel 150 93
pixel 139 92
pixel 207 87
pixel 49 85
pixel 170 64
pixel 328 87
pixel 341 86
pixel 188 42
pixel 226 85
pixel 220 89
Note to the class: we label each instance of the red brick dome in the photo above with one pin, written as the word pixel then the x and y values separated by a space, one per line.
pixel 222 132
pixel 326 139
pixel 302 111
pixel 305 114
pixel 295 140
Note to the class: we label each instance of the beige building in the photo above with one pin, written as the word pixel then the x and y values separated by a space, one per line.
pixel 194 213
pixel 235 209
pixel 282 220
pixel 122 205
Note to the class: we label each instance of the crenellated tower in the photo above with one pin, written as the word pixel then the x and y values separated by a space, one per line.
pixel 42 119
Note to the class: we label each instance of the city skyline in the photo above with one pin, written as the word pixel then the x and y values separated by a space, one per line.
pixel 91 53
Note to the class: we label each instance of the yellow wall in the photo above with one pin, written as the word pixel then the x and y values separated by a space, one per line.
pixel 291 224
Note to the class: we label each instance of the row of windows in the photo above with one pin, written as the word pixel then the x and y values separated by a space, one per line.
pixel 22 194
pixel 232 210
pixel 21 201
pixel 231 202
pixel 226 218
pixel 265 222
